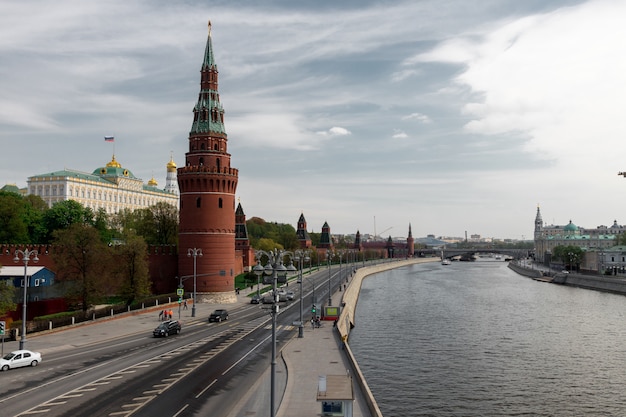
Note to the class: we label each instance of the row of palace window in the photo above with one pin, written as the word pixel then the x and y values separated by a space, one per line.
pixel 82 193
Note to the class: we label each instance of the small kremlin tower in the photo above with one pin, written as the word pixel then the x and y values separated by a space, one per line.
pixel 207 186
pixel 303 235
pixel 410 244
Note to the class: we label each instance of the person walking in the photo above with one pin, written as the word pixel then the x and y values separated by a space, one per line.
pixel 161 315
pixel 185 305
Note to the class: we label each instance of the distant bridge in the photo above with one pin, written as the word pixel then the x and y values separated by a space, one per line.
pixel 469 252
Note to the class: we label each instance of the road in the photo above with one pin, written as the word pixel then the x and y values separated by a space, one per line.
pixel 205 370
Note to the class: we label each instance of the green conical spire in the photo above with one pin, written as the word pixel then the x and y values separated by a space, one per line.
pixel 208 111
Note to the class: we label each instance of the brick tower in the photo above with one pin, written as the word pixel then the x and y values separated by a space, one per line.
pixel 207 186
pixel 303 235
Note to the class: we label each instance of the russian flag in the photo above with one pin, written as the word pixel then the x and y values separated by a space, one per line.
pixel 109 138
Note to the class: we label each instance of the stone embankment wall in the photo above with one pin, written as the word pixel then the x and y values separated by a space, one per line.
pixel 527 272
pixel 346 319
pixel 590 282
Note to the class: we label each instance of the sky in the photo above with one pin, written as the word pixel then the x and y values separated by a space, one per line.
pixel 455 117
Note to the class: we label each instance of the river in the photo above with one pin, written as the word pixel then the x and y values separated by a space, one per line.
pixel 477 339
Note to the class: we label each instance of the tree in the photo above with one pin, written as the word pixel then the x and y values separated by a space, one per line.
pixel 13 229
pixel 64 214
pixel 7 296
pixel 157 224
pixel 166 223
pixel 570 255
pixel 33 217
pixel 83 260
pixel 131 267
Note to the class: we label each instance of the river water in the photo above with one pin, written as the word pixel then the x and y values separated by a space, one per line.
pixel 477 339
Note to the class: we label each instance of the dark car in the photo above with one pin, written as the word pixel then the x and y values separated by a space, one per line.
pixel 218 315
pixel 256 299
pixel 167 328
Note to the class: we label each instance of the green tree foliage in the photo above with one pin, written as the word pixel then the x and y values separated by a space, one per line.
pixel 267 244
pixel 569 255
pixel 157 224
pixel 83 260
pixel 64 214
pixel 7 295
pixel 620 239
pixel 13 229
pixel 33 217
pixel 283 235
pixel 131 268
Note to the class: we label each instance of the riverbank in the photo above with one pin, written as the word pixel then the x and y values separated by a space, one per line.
pixel 346 320
pixel 589 282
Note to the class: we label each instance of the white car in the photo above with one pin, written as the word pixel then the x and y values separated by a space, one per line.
pixel 20 358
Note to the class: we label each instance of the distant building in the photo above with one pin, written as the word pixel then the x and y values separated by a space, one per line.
pixel 547 237
pixel 111 187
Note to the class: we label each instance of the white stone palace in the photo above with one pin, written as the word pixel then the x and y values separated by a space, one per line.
pixel 111 187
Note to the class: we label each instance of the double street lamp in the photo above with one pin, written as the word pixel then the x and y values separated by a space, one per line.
pixel 329 256
pixel 301 256
pixel 195 252
pixel 26 254
pixel 274 267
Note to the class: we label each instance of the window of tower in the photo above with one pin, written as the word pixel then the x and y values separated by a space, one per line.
pixel 198 202
pixel 202 146
pixel 217 162
pixel 215 147
pixel 219 203
pixel 201 161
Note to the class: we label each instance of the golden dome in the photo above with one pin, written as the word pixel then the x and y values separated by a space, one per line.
pixel 171 165
pixel 114 163
pixel 152 182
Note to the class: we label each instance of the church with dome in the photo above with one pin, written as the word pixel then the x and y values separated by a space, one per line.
pixel 547 237
pixel 112 187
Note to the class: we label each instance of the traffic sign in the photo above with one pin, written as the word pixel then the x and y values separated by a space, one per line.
pixel 180 292
pixel 2 327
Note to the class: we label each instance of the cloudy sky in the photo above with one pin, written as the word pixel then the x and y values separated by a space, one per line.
pixel 451 115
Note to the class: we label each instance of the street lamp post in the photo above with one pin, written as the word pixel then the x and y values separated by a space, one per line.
pixel 195 252
pixel 300 257
pixel 26 254
pixel 273 267
pixel 329 256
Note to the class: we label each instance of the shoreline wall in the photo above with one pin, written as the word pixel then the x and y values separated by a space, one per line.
pixel 588 282
pixel 346 320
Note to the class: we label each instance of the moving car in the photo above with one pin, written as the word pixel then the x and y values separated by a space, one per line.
pixel 167 328
pixel 20 358
pixel 256 299
pixel 218 316
pixel 290 295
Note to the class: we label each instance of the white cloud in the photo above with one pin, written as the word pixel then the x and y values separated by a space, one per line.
pixel 422 118
pixel 399 135
pixel 334 131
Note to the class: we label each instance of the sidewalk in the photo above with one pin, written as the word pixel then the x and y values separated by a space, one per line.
pixel 317 354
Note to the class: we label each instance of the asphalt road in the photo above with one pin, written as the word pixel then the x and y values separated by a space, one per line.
pixel 209 369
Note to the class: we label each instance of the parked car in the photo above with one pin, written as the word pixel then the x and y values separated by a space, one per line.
pixel 255 299
pixel 218 316
pixel 20 358
pixel 167 328
pixel 290 295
